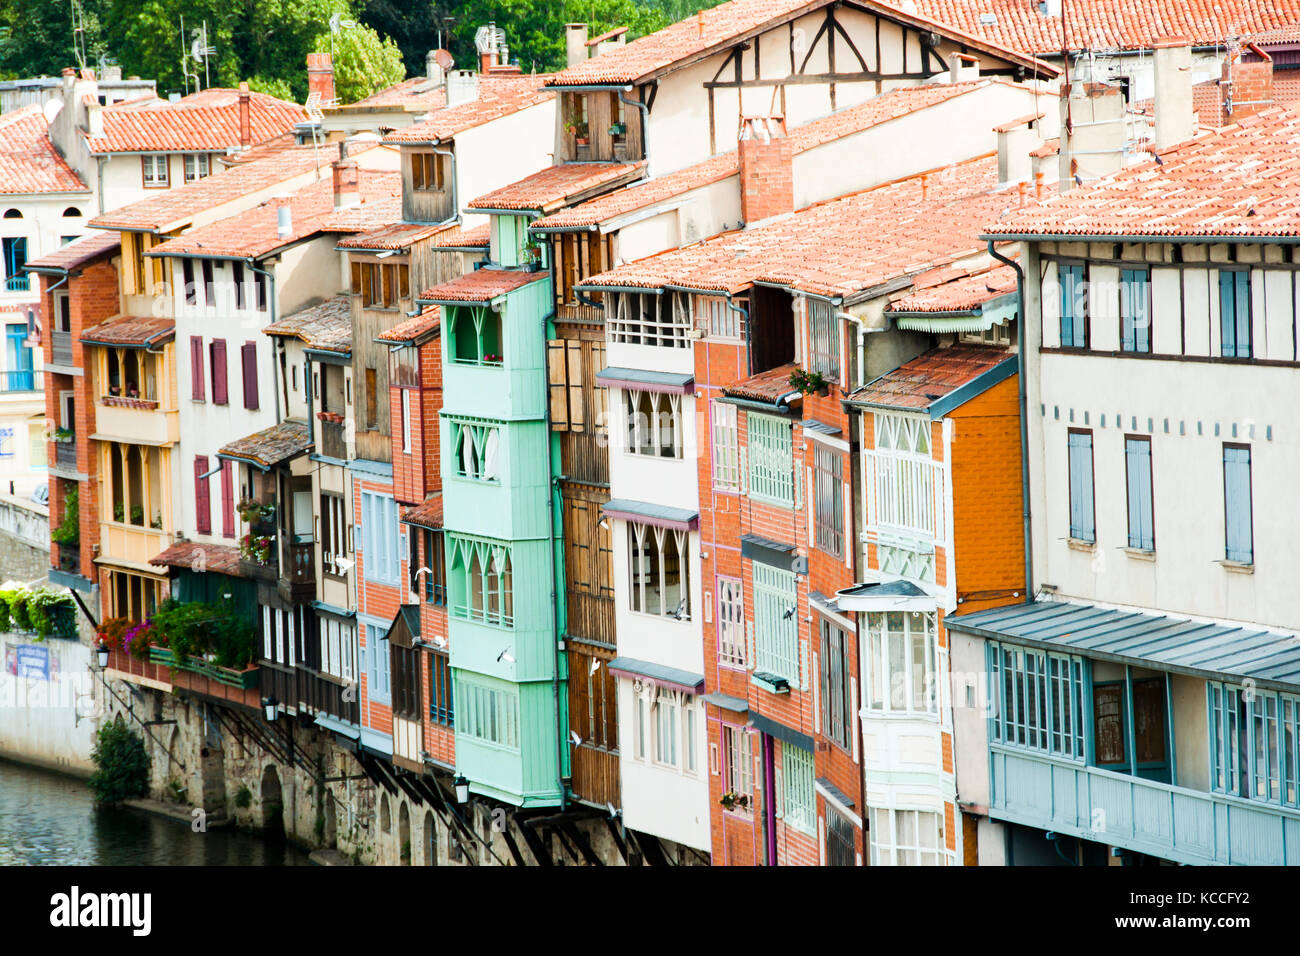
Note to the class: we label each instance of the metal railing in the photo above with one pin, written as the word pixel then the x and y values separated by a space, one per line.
pixel 23 380
pixel 61 347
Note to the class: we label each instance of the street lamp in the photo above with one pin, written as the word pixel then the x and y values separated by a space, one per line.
pixel 270 705
pixel 462 789
pixel 101 653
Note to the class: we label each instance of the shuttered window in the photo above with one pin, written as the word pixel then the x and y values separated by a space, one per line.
pixel 1234 313
pixel 1239 544
pixel 731 621
pixel 227 500
pixel 1082 520
pixel 726 447
pixel 836 705
pixel 1135 310
pixel 202 499
pixel 198 391
pixel 828 474
pixel 1074 306
pixel 565 377
pixel 217 351
pixel 248 354
pixel 379 527
pixel 372 398
pixel 1141 520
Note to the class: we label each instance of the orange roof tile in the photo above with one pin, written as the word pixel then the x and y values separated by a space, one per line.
pixel 765 386
pixel 1109 24
pixel 414 327
pixel 720 27
pixel 195 555
pixel 554 186
pixel 398 235
pixel 29 163
pixel 458 237
pixel 255 232
pixel 931 377
pixel 78 252
pixel 133 330
pixel 498 96
pixel 958 293
pixel 326 326
pixel 417 94
pixel 428 514
pixel 1241 180
pixel 481 285
pixel 1050 147
pixel 202 121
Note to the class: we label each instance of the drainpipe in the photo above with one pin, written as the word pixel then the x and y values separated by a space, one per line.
pixel 749 334
pixel 271 298
pixel 455 186
pixel 645 120
pixel 862 339
pixel 1024 420
pixel 99 177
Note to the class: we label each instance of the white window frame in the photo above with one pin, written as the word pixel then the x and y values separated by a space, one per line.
pixel 636 318
pixel 150 165
pixel 722 321
pixel 888 690
pixel 726 446
pixel 738 752
pixel 731 622
pixel 797 776
pixel 890 828
pixel 639 583
pixel 665 726
pixel 645 439
pixel 382 541
pixel 406 420
pixel 197 166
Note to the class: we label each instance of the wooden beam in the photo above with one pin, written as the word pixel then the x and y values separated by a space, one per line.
pixel 804 79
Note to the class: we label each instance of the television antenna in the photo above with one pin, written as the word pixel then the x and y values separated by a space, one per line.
pixel 78 34
pixel 313 109
pixel 202 52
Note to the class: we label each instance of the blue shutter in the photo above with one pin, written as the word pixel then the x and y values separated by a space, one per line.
pixel 1243 313
pixel 1081 507
pixel 1234 312
pixel 1135 321
pixel 1141 522
pixel 1067 304
pixel 1236 504
pixel 1227 319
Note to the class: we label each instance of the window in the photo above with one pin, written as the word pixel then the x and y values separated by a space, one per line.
pixel 217 355
pixel 209 283
pixel 1082 516
pixel 333 534
pixel 440 683
pixel 237 281
pixel 1234 313
pixel 902 662
pixel 1036 701
pixel 62 312
pixel 1253 744
pixel 72 212
pixel 660 559
pixel 21 376
pixel 476 450
pixel 997 334
pixel 15 256
pixel 905 475
pixel 726 447
pixel 839 839
pixel 771 459
pixel 426 172
pixel 1239 536
pixel 1141 520
pixel 405 409
pixel 654 423
pixel 475 333
pixel 721 320
pixel 435 585
pixel 404 366
pixel 637 318
pixel 187 277
pixel 379 678
pixel 828 476
pixel 835 691
pixel 202 499
pixel 776 623
pixel 738 748
pixel 227 499
pixel 1074 305
pixel 489 714
pixel 566 362
pixel 1135 310
pixel 667 738
pixel 380 544
pixel 381 285
pixel 197 166
pixel 823 339
pixel 372 398
pixel 153 171
pixel 798 799
pixel 906 838
pixel 480 581
pixel 248 361
pixel 731 622
pixel 406 681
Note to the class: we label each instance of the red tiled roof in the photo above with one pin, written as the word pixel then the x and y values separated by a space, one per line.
pixel 255 231
pixel 130 330
pixel 719 28
pixel 481 285
pixel 414 327
pixel 29 163
pixel 78 252
pixel 399 235
pixel 498 96
pixel 841 247
pixel 270 446
pixel 415 95
pixel 196 556
pixel 551 187
pixel 428 514
pixel 326 326
pixel 202 121
pixel 930 377
pixel 477 237
pixel 1109 24
pixel 1280 35
pixel 1050 147
pixel 765 386
pixel 1242 180
pixel 958 293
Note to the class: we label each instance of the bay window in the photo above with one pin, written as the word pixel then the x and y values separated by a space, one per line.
pixel 1254 739
pixel 654 423
pixel 902 662
pixel 480 580
pixel 1036 701
pixel 476 450
pixel 659 576
pixel 907 838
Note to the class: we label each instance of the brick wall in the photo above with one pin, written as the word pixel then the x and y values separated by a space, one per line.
pixel 766 169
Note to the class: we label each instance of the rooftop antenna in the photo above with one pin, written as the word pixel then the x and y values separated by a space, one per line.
pixel 202 52
pixel 185 62
pixel 312 107
pixel 78 34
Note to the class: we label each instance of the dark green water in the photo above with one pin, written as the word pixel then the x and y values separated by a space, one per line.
pixel 48 819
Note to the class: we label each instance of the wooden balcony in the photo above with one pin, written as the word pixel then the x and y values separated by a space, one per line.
pixel 122 666
pixel 595 774
pixel 298 572
pixel 61 348
pixel 333 442
pixel 65 455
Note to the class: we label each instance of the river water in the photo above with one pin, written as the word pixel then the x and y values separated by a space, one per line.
pixel 49 819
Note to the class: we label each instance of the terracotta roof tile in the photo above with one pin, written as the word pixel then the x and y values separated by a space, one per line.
pixel 195 556
pixel 1109 24
pixel 1050 147
pixel 765 386
pixel 1241 180
pixel 270 446
pixel 78 252
pixel 718 28
pixel 202 121
pixel 930 377
pixel 398 235
pixel 476 237
pixel 417 94
pixel 130 330
pixel 414 327
pixel 557 185
pixel 481 285
pixel 426 515
pixel 327 326
pixel 959 293
pixel 498 96
pixel 29 163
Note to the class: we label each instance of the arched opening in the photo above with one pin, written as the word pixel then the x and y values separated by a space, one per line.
pixel 175 778
pixel 385 815
pixel 212 772
pixel 13 214
pixel 430 839
pixel 272 802
pixel 404 834
pixel 72 212
pixel 331 822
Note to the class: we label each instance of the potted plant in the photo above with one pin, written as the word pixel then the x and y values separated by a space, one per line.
pixel 809 382
pixel 68 532
pixel 618 129
pixel 64 435
pixel 580 133
pixel 732 800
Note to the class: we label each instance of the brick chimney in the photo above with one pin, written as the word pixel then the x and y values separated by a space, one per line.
pixel 575 43
pixel 1175 117
pixel 347 180
pixel 320 75
pixel 1247 83
pixel 245 120
pixel 766 168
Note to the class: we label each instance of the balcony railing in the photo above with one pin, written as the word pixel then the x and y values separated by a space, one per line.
pixel 61 347
pixel 333 443
pixel 18 283
pixel 65 455
pixel 24 380
pixel 301 566
pixel 1173 823
pixel 69 558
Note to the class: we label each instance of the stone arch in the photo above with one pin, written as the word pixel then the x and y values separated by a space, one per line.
pixel 430 839
pixel 172 760
pixel 272 800
pixel 331 820
pixel 385 815
pixel 212 770
pixel 404 834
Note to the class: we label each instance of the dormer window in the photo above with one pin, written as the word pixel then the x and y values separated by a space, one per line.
pixel 197 166
pixel 153 171
pixel 426 172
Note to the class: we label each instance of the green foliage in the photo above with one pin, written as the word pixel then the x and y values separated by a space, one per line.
pixel 271 86
pixel 69 529
pixel 808 382
pixel 364 62
pixel 50 612
pixel 196 629
pixel 16 602
pixel 121 764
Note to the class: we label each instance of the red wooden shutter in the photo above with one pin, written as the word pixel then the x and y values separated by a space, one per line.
pixel 249 354
pixel 219 395
pixel 198 391
pixel 202 501
pixel 227 500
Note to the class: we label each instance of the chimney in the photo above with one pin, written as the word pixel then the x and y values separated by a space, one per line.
pixel 69 80
pixel 433 69
pixel 245 121
pixel 283 217
pixel 575 43
pixel 962 67
pixel 462 87
pixel 94 118
pixel 766 168
pixel 1175 118
pixel 1015 142
pixel 1092 133
pixel 320 76
pixel 491 46
pixel 347 180
pixel 1247 83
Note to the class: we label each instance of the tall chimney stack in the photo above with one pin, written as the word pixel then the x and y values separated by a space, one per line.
pixel 575 43
pixel 1175 117
pixel 320 75
pixel 347 180
pixel 1092 133
pixel 1247 83
pixel 245 118
pixel 766 168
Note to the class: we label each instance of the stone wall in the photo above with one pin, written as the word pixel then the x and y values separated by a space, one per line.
pixel 24 540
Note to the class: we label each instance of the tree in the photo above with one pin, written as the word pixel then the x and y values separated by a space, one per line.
pixel 121 764
pixel 364 62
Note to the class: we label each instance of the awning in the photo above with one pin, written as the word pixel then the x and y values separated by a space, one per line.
pixel 776 554
pixel 657 674
pixel 645 381
pixel 735 704
pixel 333 611
pixel 661 516
pixel 269 447
pixel 405 629
pixel 781 732
pixel 1218 651
pixel 829 789
pixel 896 595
